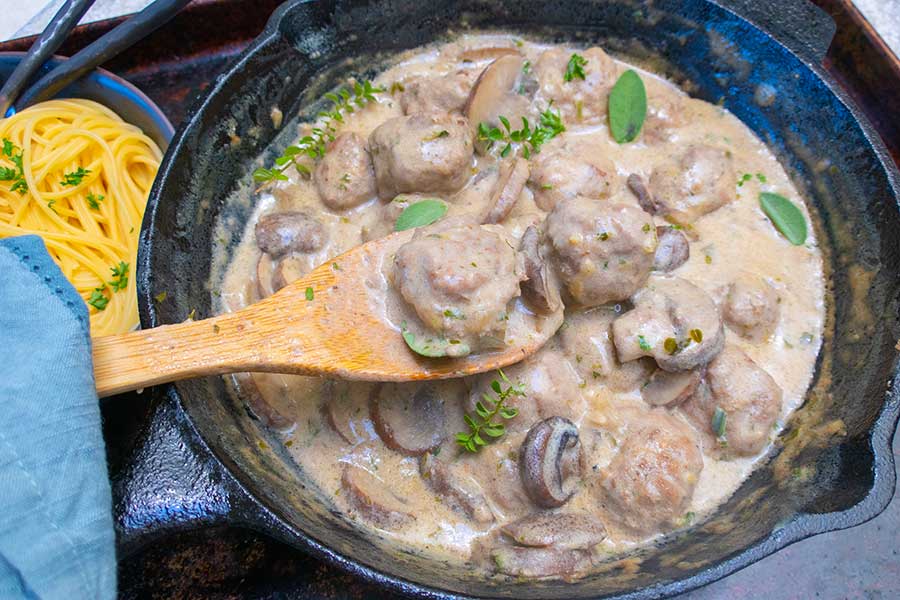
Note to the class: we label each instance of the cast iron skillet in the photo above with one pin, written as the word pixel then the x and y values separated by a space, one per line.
pixel 211 462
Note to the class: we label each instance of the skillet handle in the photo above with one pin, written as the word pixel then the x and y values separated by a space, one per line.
pixel 169 481
pixel 801 26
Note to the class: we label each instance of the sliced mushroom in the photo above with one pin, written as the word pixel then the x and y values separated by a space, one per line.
pixel 373 499
pixel 637 186
pixel 671 389
pixel 346 410
pixel 673 250
pixel 513 176
pixel 265 269
pixel 496 93
pixel 280 233
pixel 563 531
pixel 251 386
pixel 534 563
pixel 549 461
pixel 409 418
pixel 460 492
pixel 487 53
pixel 541 289
pixel 289 269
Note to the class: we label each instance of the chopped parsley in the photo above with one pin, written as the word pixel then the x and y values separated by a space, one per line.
pixel 718 423
pixel 94 201
pixel 309 294
pixel 98 299
pixel 642 342
pixel 575 68
pixel 16 173
pixel 74 178
pixel 120 277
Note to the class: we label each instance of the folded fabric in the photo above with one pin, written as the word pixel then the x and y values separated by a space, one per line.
pixel 56 528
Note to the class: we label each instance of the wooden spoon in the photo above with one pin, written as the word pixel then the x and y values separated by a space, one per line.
pixel 334 334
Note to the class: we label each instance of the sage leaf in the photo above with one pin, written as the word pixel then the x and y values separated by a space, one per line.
pixel 627 107
pixel 784 214
pixel 424 212
pixel 433 346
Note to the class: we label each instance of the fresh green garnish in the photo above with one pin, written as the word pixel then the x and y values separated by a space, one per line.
pixel 344 101
pixel 98 300
pixel 452 313
pixel 603 236
pixel 526 67
pixel 487 409
pixel 94 201
pixel 309 294
pixel 642 342
pixel 786 217
pixel 440 134
pixel 761 178
pixel 424 212
pixel 718 423
pixel 575 68
pixel 50 204
pixel 744 179
pixel 120 277
pixel 627 107
pixel 646 228
pixel 531 140
pixel 433 347
pixel 16 173
pixel 74 178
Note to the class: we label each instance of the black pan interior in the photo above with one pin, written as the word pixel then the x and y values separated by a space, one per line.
pixel 824 462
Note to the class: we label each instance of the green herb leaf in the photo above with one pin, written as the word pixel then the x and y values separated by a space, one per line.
pixel 531 140
pixel 16 173
pixel 642 342
pixel 120 274
pixel 74 178
pixel 786 217
pixel 98 300
pixel 440 134
pixel 575 68
pixel 433 346
pixel 718 423
pixel 424 212
pixel 94 201
pixel 627 107
pixel 309 294
pixel 472 441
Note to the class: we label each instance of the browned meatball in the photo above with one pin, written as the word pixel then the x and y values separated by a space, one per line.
pixel 421 153
pixel 751 308
pixel 459 280
pixel 437 95
pixel 650 482
pixel 603 251
pixel 579 100
pixel 563 173
pixel 345 177
pixel 748 396
pixel 698 182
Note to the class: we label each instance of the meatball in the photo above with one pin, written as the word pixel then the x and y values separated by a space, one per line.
pixel 699 182
pixel 603 251
pixel 673 321
pixel 751 308
pixel 587 340
pixel 579 100
pixel 459 280
pixel 421 153
pixel 345 177
pixel 748 396
pixel 551 389
pixel 650 481
pixel 437 95
pixel 565 172
pixel 280 233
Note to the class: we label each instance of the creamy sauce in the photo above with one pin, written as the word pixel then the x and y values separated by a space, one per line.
pixel 736 239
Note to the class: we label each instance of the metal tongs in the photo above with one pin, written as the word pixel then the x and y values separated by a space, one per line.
pixel 126 34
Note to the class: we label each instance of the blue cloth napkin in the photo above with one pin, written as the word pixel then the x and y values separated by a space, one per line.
pixel 56 529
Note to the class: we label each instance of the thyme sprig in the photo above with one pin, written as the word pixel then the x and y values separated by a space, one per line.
pixel 531 139
pixel 487 409
pixel 345 101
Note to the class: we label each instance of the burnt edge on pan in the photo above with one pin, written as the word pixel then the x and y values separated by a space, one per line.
pixel 838 227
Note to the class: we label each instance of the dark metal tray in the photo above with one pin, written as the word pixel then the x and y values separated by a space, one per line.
pixel 173 66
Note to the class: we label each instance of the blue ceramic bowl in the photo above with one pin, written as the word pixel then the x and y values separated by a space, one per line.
pixel 114 92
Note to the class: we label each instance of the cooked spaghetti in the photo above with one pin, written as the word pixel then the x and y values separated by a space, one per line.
pixel 76 174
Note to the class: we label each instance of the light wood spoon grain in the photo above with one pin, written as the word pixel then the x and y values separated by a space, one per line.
pixel 335 334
